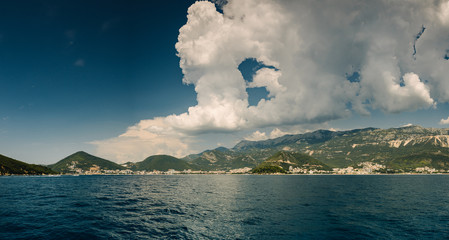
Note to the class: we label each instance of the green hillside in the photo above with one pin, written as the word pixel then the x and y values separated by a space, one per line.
pixel 84 161
pixel 400 149
pixel 162 163
pixel 378 145
pixel 11 166
pixel 348 148
pixel 411 162
pixel 267 169
pixel 285 160
pixel 226 159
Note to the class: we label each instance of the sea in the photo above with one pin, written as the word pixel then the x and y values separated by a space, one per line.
pixel 225 207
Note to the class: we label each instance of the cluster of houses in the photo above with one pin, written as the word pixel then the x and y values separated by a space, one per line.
pixel 361 169
pixel 96 170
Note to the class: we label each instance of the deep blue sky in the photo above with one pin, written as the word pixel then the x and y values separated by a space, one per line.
pixel 72 72
pixel 76 71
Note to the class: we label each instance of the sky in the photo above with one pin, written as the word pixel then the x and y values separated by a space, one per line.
pixel 124 80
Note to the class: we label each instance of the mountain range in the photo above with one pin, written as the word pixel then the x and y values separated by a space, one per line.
pixel 392 147
pixel 398 149
pixel 346 148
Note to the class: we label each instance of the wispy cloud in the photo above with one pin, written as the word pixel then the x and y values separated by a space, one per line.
pixel 109 24
pixel 79 63
pixel 275 133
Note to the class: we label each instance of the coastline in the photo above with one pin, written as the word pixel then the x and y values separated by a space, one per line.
pixel 230 174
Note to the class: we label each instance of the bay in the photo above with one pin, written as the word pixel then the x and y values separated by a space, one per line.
pixel 225 207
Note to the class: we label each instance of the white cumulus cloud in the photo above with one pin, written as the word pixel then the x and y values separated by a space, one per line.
pixel 268 78
pixel 275 133
pixel 257 136
pixel 148 137
pixel 312 47
pixel 444 121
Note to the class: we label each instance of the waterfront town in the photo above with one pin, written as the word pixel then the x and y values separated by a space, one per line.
pixel 364 168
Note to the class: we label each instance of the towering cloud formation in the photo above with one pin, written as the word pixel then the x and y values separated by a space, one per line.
pixel 328 58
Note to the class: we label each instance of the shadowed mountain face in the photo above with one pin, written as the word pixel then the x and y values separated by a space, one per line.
pixel 162 163
pixel 11 166
pixel 437 161
pixel 309 138
pixel 84 161
pixel 289 161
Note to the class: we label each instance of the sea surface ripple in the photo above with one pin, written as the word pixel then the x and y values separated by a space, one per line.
pixel 224 207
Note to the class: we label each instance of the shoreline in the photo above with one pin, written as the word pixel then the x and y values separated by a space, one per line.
pixel 224 174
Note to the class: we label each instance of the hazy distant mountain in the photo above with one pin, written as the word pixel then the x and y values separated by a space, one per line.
pixel 84 161
pixel 11 166
pixel 162 163
pixel 316 137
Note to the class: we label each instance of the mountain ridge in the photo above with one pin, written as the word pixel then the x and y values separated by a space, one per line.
pixel 336 148
pixel 10 166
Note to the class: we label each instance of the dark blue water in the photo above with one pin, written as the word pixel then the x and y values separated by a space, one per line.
pixel 224 207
